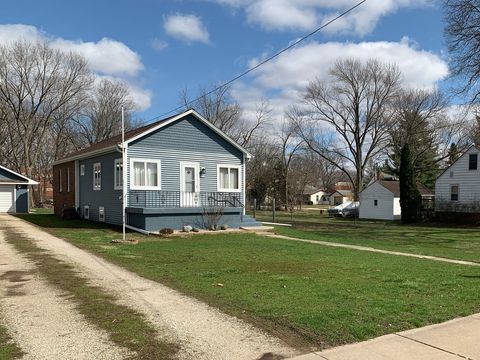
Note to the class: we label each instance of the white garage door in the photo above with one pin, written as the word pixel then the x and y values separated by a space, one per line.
pixel 6 199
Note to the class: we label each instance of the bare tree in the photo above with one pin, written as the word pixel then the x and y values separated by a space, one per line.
pixel 290 145
pixel 226 114
pixel 100 118
pixel 355 107
pixel 463 38
pixel 420 120
pixel 38 86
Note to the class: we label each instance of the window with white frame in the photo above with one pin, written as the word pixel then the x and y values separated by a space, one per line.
pixel 145 174
pixel 97 176
pixel 68 179
pixel 228 178
pixel 86 212
pixel 82 169
pixel 60 180
pixel 118 174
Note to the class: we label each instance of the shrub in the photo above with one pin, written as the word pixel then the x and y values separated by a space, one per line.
pixel 166 231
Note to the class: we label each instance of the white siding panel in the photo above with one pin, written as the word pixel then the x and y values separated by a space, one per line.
pixel 385 208
pixel 459 174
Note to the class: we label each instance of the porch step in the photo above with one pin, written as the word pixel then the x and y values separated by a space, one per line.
pixel 248 221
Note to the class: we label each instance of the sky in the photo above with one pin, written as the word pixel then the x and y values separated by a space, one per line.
pixel 162 47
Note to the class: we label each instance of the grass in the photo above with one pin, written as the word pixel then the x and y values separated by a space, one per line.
pixel 303 293
pixel 426 239
pixel 8 348
pixel 125 326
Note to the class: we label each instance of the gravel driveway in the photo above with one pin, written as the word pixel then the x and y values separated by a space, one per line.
pixel 203 332
pixel 41 320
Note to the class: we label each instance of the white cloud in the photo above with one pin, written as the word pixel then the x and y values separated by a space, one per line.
pixel 284 79
pixel 187 27
pixel 309 14
pixel 158 44
pixel 106 57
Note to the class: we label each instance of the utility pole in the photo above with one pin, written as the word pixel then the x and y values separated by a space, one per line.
pixel 124 176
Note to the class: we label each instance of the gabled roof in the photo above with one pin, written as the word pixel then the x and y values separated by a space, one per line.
pixel 343 192
pixel 462 155
pixel 135 134
pixel 24 179
pixel 394 187
pixel 310 190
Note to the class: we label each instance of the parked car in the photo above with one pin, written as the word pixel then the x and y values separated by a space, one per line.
pixel 351 210
pixel 337 210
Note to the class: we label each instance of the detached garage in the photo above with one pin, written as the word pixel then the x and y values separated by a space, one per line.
pixel 381 200
pixel 14 190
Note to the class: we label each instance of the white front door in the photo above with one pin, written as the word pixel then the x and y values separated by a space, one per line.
pixel 189 184
pixel 6 198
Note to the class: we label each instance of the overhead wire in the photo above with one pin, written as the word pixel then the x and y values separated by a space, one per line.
pixel 263 62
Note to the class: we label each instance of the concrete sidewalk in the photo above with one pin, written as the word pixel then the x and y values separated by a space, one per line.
pixel 452 340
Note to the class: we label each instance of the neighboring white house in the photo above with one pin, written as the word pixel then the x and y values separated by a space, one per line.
pixel 381 200
pixel 316 196
pixel 457 189
pixel 340 196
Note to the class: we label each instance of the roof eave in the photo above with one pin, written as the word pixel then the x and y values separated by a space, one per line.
pixel 87 155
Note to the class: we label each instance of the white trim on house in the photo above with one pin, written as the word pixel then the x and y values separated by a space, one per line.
pixel 111 148
pixel 199 117
pixel 87 155
pixel 189 198
pixel 97 187
pixel 115 178
pixel 229 166
pixel 68 179
pixel 29 181
pixel 77 194
pixel 145 187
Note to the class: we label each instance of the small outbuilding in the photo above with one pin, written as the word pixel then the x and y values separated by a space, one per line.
pixel 339 197
pixel 316 196
pixel 381 200
pixel 14 191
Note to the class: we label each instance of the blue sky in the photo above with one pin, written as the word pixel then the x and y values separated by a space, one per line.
pixel 161 47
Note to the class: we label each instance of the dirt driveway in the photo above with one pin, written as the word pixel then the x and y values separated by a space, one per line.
pixel 201 331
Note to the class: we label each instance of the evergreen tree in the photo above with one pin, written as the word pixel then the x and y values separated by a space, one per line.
pixel 410 198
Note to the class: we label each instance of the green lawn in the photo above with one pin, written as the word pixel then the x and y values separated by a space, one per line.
pixel 450 242
pixel 304 293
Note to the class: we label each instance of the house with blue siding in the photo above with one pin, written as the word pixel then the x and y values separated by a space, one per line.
pixel 178 171
pixel 14 191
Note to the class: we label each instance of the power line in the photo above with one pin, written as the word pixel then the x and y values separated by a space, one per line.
pixel 253 68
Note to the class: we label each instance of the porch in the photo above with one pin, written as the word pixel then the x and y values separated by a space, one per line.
pixel 160 199
pixel 153 210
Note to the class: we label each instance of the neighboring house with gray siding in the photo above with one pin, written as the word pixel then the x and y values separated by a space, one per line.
pixel 14 191
pixel 176 171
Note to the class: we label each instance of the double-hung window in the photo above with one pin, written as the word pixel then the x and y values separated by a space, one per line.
pixel 454 190
pixel 145 174
pixel 97 176
pixel 228 179
pixel 473 162
pixel 118 174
